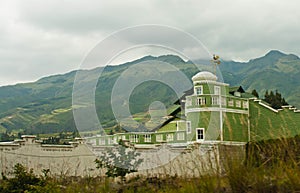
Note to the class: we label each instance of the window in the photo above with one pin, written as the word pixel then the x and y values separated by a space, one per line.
pixel 199 90
pixel 159 138
pixel 215 100
pixel 147 138
pixel 223 101
pixel 180 125
pixel 102 141
pixel 109 141
pixel 134 138
pixel 180 136
pixel 230 103
pixel 200 101
pixel 170 137
pixel 245 104
pixel 93 141
pixel 123 137
pixel 188 127
pixel 200 134
pixel 188 101
pixel 238 104
pixel 217 90
pixel 115 139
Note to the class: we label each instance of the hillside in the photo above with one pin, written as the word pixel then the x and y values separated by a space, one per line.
pixel 45 106
pixel 274 71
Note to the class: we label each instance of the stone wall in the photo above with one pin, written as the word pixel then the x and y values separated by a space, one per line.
pixel 78 159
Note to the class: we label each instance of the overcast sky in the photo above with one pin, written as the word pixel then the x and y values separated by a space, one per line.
pixel 40 38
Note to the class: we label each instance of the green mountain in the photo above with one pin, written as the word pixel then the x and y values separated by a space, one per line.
pixel 45 106
pixel 274 71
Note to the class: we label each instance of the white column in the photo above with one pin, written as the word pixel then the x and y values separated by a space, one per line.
pixel 221 115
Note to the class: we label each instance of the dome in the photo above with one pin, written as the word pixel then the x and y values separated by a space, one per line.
pixel 204 75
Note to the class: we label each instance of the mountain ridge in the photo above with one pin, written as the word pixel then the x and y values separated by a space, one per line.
pixel 46 105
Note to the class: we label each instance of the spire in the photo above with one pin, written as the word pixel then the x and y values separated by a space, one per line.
pixel 216 61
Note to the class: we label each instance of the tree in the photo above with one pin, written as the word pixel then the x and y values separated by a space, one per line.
pixel 254 93
pixel 275 100
pixel 119 161
pixel 23 181
pixel 5 137
pixel 284 102
pixel 267 97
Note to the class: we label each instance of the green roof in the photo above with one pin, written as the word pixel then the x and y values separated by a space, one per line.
pixel 247 95
pixel 169 127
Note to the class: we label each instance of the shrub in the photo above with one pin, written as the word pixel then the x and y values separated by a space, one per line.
pixel 119 161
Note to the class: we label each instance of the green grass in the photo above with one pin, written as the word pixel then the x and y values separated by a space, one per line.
pixel 266 124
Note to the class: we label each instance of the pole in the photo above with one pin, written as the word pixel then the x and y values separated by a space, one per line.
pixel 221 115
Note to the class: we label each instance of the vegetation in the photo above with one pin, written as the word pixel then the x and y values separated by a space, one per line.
pixel 119 161
pixel 269 166
pixel 23 181
pixel 266 124
pixel 275 100
pixel 254 93
pixel 273 71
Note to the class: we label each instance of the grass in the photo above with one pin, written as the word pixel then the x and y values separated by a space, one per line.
pixel 266 124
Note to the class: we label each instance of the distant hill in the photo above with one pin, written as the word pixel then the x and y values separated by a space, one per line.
pixel 274 71
pixel 45 106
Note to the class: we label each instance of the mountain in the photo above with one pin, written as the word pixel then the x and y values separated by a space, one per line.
pixel 45 106
pixel 274 71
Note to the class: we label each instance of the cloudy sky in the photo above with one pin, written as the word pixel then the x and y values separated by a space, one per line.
pixel 40 38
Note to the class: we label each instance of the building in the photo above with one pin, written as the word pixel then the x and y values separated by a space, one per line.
pixel 212 111
pixel 208 114
pixel 209 119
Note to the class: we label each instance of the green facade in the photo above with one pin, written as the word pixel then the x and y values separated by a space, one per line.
pixel 211 113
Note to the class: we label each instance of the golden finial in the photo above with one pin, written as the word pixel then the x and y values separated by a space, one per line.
pixel 216 61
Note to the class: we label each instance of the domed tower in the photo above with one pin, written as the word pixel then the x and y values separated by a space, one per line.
pixel 212 113
pixel 204 108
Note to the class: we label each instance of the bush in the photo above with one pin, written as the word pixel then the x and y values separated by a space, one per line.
pixel 119 161
pixel 22 181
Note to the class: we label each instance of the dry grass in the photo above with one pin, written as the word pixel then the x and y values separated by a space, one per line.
pixel 269 166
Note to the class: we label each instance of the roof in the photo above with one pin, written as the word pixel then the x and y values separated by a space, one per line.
pixel 28 136
pixel 204 75
pixel 247 95
pixel 236 89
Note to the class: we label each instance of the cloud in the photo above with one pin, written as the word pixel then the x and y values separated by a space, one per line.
pixel 39 38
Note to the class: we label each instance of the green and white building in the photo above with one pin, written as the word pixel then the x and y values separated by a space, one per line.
pixel 212 112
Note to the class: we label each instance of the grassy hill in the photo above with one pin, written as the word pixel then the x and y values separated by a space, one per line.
pixel 45 106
